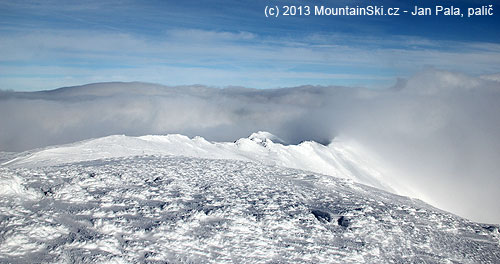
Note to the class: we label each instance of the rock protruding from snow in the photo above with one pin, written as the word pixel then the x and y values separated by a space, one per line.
pixel 343 221
pixel 263 137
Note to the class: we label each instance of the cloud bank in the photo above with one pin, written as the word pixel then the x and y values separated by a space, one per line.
pixel 437 131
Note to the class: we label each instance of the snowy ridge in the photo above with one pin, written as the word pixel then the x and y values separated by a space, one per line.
pixel 339 159
pixel 165 209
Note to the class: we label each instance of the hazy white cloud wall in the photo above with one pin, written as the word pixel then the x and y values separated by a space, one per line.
pixel 437 131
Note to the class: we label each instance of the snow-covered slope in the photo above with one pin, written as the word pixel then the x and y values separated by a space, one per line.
pixel 166 209
pixel 340 158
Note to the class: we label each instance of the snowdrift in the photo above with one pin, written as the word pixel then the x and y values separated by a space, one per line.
pixel 339 158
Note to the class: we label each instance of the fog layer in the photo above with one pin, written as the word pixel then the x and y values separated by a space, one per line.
pixel 438 131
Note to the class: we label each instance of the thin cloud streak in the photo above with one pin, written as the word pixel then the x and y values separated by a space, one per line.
pixel 241 57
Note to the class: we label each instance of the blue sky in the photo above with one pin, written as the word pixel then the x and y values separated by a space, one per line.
pixel 50 44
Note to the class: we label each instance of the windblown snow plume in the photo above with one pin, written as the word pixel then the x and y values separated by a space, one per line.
pixel 438 130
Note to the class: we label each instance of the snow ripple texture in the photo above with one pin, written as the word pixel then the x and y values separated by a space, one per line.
pixel 162 209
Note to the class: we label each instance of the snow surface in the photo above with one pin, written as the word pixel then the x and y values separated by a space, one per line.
pixel 160 209
pixel 340 159
pixel 171 199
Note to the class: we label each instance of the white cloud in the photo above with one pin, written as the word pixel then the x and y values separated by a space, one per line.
pixel 438 130
pixel 216 57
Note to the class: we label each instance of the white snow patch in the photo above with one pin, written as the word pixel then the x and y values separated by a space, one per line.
pixel 340 158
